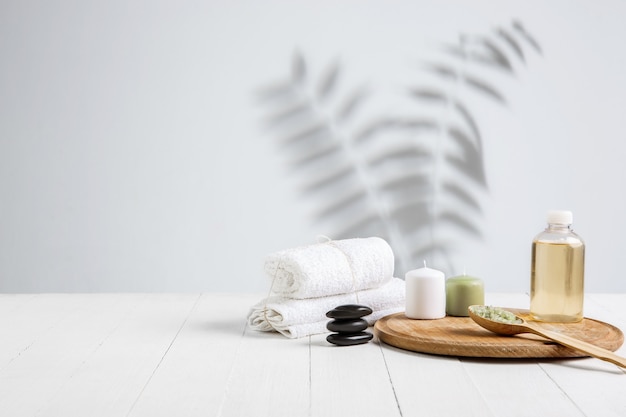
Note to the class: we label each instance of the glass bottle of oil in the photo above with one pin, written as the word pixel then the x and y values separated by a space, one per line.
pixel 557 271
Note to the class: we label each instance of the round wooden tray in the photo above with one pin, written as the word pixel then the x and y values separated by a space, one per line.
pixel 460 336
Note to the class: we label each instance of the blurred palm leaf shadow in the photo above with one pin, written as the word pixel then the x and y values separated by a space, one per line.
pixel 414 180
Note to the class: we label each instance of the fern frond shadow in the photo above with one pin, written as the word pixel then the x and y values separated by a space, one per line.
pixel 415 179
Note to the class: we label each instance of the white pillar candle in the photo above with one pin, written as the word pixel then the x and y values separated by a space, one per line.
pixel 425 294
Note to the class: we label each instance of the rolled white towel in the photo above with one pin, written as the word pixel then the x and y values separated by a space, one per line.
pixel 298 318
pixel 333 267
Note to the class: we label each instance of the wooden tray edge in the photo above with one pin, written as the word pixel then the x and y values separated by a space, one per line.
pixel 549 349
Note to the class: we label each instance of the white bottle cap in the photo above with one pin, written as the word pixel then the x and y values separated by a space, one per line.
pixel 560 217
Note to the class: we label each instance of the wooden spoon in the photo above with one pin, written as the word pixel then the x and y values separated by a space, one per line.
pixel 520 325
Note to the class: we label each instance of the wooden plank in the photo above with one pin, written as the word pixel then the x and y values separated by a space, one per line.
pixel 596 387
pixel 519 388
pixel 169 354
pixel 193 376
pixel 350 380
pixel 29 318
pixel 56 331
pixel 270 377
pixel 9 303
pixel 607 307
pixel 554 387
pixel 432 385
pixel 98 362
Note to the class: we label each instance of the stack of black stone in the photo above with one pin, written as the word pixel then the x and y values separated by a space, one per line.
pixel 348 325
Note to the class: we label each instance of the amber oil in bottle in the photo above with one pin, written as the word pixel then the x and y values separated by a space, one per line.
pixel 557 271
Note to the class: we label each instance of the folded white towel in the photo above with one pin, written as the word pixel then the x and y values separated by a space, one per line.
pixel 297 318
pixel 333 267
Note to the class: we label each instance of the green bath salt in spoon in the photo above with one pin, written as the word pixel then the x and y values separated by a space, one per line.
pixel 504 322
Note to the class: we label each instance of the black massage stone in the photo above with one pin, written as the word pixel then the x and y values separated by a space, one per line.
pixel 348 325
pixel 342 339
pixel 349 311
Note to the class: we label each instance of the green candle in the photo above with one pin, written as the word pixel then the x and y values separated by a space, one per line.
pixel 462 292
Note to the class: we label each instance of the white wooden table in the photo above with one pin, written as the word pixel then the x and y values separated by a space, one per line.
pixel 192 355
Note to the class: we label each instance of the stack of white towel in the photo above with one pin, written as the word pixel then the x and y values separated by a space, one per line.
pixel 307 282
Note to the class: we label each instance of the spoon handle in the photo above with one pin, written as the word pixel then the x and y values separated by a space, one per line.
pixel 592 350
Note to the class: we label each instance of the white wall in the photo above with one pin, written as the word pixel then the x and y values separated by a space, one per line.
pixel 133 156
